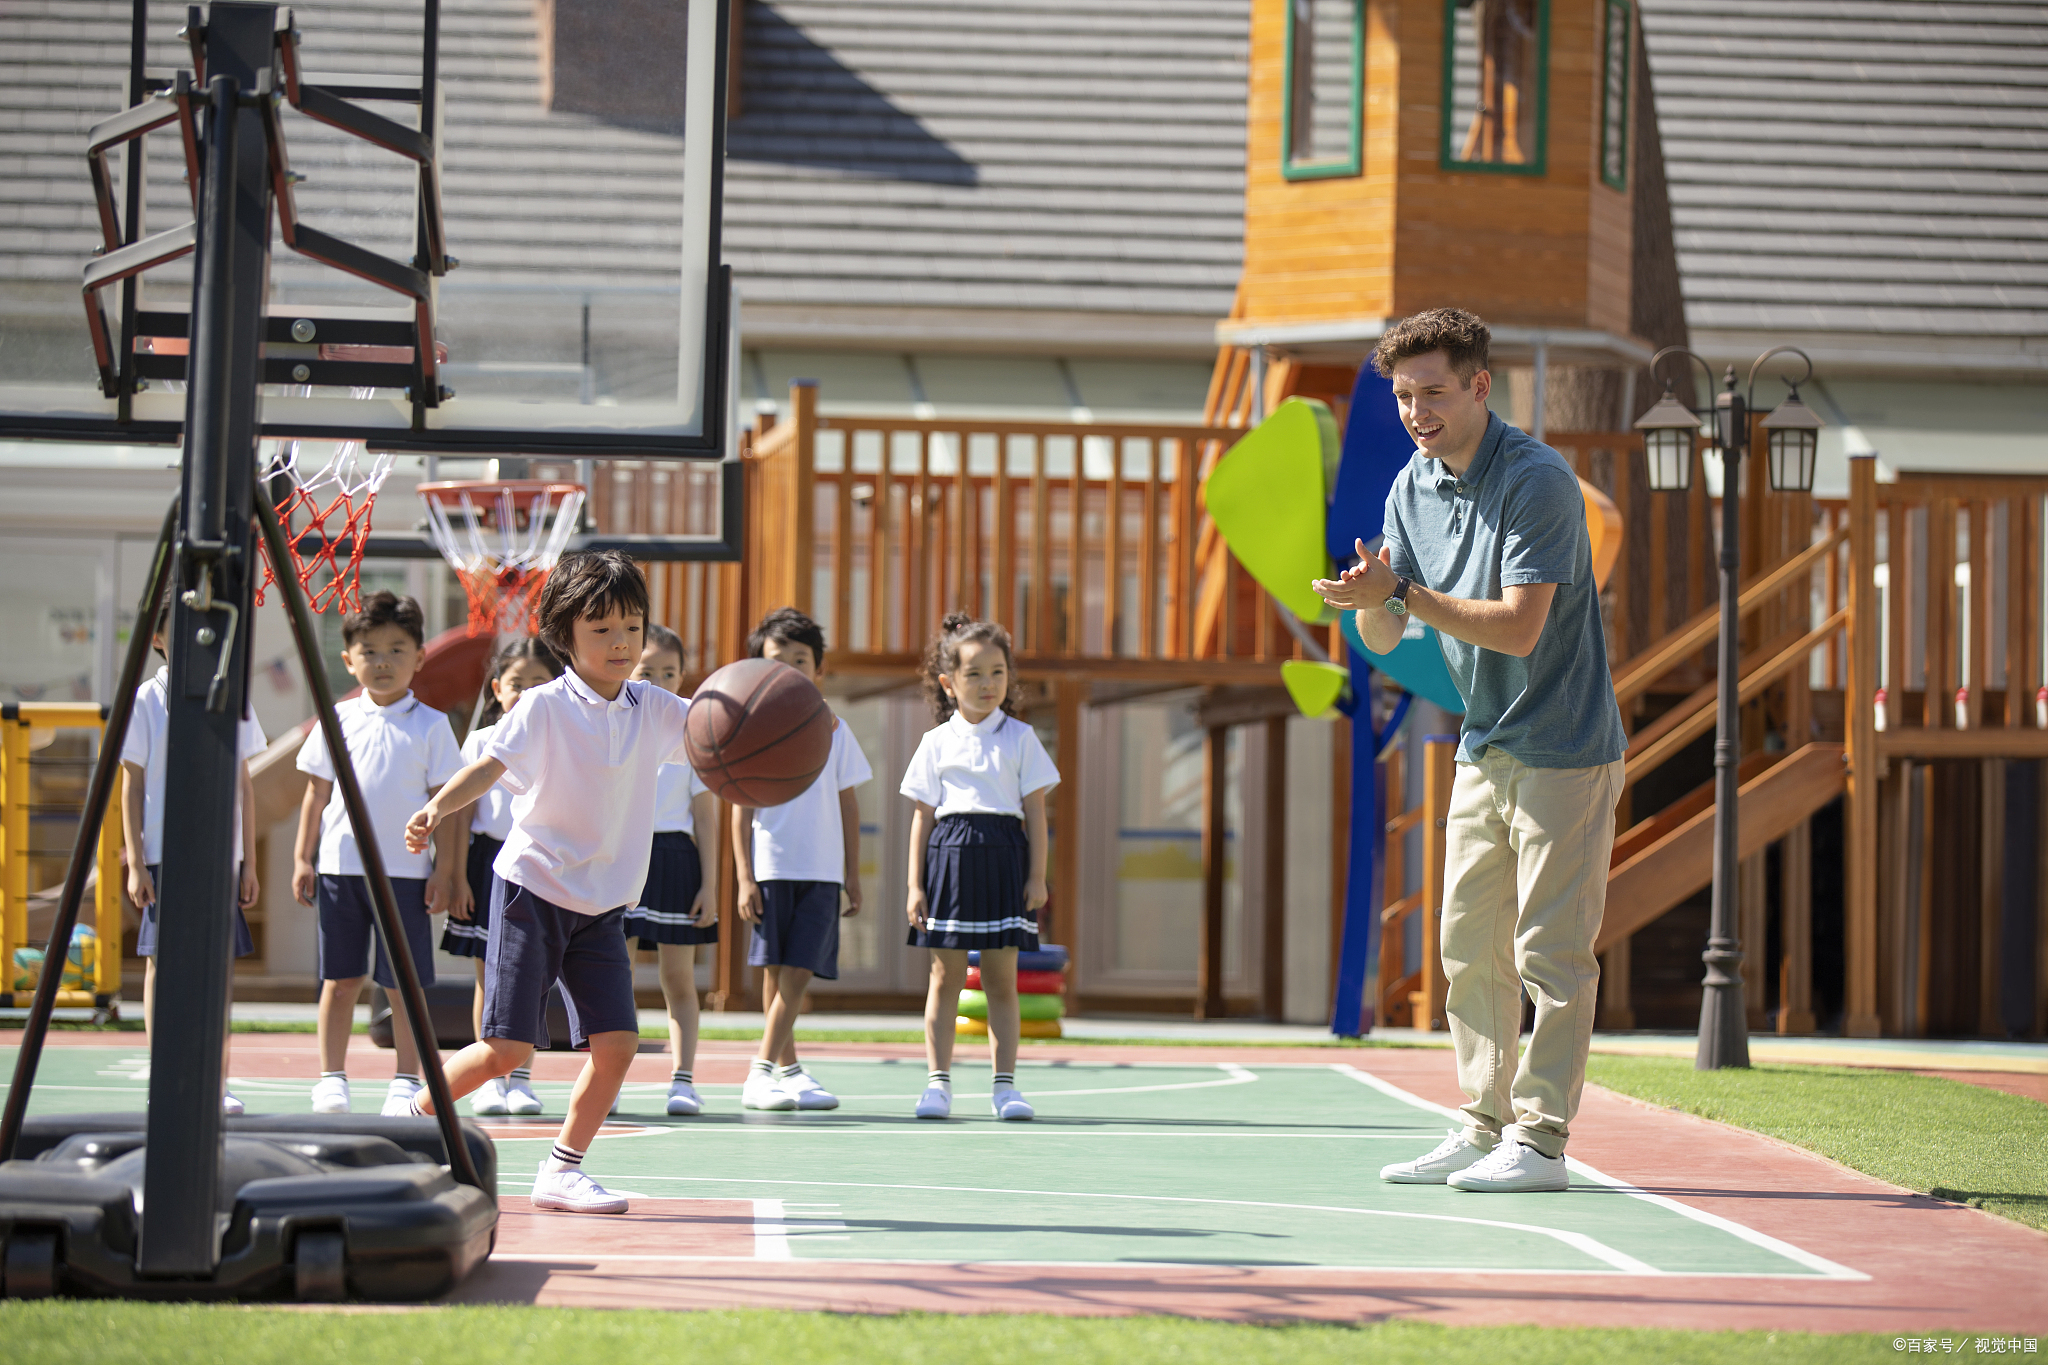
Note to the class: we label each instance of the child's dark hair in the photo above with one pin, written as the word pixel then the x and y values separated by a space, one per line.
pixel 788 626
pixel 385 608
pixel 942 656
pixel 587 585
pixel 530 648
pixel 664 641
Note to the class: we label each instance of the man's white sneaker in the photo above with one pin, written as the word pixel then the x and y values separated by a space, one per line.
pixel 1513 1168
pixel 1452 1155
pixel 519 1097
pixel 330 1095
pixel 1011 1104
pixel 571 1191
pixel 764 1092
pixel 683 1101
pixel 398 1098
pixel 229 1105
pixel 935 1103
pixel 489 1099
pixel 809 1094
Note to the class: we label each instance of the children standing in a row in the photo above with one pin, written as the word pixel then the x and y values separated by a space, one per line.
pixel 978 845
pixel 518 666
pixel 403 751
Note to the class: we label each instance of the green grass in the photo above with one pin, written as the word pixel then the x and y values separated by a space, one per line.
pixel 149 1334
pixel 1963 1143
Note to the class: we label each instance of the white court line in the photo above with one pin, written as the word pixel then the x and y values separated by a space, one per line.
pixel 771 1231
pixel 1819 1264
pixel 1578 1241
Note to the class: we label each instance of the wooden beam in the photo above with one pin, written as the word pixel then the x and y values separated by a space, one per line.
pixel 1066 848
pixel 1439 773
pixel 1994 743
pixel 1273 878
pixel 1795 931
pixel 1682 862
pixel 1209 947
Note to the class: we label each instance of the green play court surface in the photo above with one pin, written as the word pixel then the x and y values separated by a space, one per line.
pixel 1193 1165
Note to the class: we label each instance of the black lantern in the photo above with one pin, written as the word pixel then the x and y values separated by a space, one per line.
pixel 1794 429
pixel 1667 439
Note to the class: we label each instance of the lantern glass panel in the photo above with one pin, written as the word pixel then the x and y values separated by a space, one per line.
pixel 1670 459
pixel 1792 457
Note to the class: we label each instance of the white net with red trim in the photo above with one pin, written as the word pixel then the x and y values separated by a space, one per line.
pixel 501 538
pixel 326 519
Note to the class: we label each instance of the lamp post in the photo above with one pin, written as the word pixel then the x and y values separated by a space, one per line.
pixel 1667 429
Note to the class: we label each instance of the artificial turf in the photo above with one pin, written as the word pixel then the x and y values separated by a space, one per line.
pixel 151 1334
pixel 1963 1143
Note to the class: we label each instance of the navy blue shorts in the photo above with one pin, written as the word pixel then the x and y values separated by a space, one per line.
pixel 348 927
pixel 974 872
pixel 799 927
pixel 674 875
pixel 536 943
pixel 466 938
pixel 145 937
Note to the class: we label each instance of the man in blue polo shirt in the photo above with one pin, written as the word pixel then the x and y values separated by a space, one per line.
pixel 1486 541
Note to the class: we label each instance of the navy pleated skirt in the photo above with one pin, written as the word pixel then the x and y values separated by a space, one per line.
pixel 467 938
pixel 674 873
pixel 974 872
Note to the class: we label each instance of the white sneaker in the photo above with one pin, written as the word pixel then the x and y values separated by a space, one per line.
pixel 935 1103
pixel 763 1092
pixel 489 1099
pixel 1011 1104
pixel 330 1095
pixel 1451 1155
pixel 229 1105
pixel 571 1191
pixel 809 1094
pixel 1513 1168
pixel 615 1102
pixel 519 1097
pixel 683 1101
pixel 398 1098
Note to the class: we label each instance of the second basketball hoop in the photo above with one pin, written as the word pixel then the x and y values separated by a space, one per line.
pixel 502 537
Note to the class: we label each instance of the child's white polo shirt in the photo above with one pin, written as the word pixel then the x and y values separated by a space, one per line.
pixel 493 817
pixel 675 785
pixel 802 840
pixel 962 769
pixel 401 753
pixel 582 771
pixel 148 730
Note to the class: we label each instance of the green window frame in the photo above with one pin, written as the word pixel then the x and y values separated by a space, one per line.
pixel 1617 50
pixel 1450 154
pixel 1294 110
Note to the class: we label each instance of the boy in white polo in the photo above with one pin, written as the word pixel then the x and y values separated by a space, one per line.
pixel 794 860
pixel 581 756
pixel 402 750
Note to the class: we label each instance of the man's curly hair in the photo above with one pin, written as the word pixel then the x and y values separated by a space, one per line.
pixel 1462 338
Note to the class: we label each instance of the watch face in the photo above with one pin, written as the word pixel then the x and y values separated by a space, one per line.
pixel 1397 606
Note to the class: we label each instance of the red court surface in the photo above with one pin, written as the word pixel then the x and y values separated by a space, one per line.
pixel 1906 1263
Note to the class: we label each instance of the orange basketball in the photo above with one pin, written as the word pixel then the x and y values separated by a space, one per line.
pixel 758 733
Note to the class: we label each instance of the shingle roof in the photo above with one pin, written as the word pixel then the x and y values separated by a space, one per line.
pixel 1862 166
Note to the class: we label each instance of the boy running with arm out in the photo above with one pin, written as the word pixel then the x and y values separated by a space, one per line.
pixel 581 756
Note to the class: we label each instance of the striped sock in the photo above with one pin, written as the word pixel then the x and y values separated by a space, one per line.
pixel 679 1077
pixel 420 1097
pixel 759 1067
pixel 563 1158
pixel 1005 1080
pixel 336 1075
pixel 942 1079
pixel 522 1074
pixel 409 1078
pixel 784 1073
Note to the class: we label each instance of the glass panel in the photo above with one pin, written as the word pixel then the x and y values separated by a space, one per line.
pixel 1323 107
pixel 1614 97
pixel 50 609
pixel 1495 79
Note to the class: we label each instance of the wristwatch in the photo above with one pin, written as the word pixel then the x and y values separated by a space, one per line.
pixel 1397 601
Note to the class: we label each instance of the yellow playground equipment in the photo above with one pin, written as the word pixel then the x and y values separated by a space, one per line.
pixel 93 966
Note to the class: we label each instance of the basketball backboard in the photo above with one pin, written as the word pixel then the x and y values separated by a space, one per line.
pixel 571 276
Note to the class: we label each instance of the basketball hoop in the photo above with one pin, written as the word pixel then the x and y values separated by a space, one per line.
pixel 326 520
pixel 501 537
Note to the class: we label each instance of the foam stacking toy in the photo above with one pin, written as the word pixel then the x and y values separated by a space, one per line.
pixel 1269 495
pixel 1315 687
pixel 974 1005
pixel 1050 957
pixel 28 969
pixel 81 964
pixel 1028 983
pixel 1030 1028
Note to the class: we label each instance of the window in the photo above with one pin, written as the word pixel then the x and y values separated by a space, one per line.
pixel 1323 128
pixel 1616 44
pixel 1496 78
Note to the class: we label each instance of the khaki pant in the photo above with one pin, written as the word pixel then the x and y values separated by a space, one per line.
pixel 1525 885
